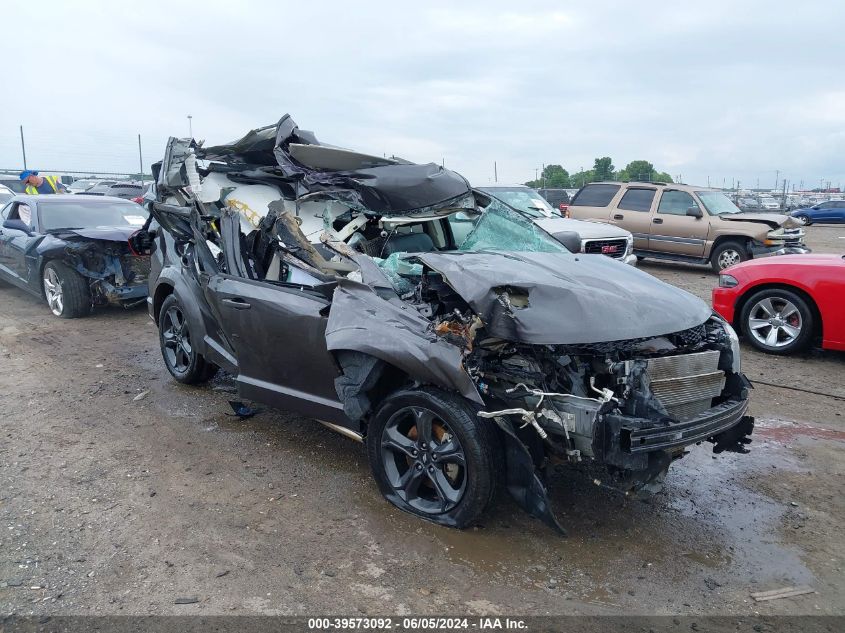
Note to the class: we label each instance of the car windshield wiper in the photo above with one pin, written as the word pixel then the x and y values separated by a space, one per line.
pixel 67 228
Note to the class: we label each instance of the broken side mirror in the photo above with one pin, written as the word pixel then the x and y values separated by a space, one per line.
pixel 17 225
pixel 570 239
pixel 695 212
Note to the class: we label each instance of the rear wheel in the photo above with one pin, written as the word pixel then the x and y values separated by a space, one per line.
pixel 178 346
pixel 727 254
pixel 433 457
pixel 777 321
pixel 66 291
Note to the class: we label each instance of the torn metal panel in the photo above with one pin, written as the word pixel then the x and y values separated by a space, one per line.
pixel 565 299
pixel 362 321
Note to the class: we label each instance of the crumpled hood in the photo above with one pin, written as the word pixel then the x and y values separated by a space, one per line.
pixel 775 220
pixel 100 233
pixel 572 299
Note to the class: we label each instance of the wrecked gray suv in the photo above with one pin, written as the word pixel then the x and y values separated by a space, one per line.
pixel 466 366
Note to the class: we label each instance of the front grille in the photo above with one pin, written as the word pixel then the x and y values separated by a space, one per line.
pixel 686 384
pixel 611 248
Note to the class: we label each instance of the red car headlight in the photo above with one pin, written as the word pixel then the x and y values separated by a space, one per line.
pixel 727 281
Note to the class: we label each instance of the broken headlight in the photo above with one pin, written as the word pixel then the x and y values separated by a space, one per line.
pixel 736 362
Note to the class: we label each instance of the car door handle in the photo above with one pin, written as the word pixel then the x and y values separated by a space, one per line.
pixel 618 216
pixel 237 303
pixel 658 220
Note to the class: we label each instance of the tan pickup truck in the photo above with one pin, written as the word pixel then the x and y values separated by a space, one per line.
pixel 687 223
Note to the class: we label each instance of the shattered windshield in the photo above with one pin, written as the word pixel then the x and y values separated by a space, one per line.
pixel 501 228
pixel 717 203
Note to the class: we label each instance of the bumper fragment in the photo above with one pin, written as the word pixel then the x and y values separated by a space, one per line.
pixel 702 427
pixel 770 251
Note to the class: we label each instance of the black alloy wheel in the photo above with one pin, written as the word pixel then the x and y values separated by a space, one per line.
pixel 432 456
pixel 183 361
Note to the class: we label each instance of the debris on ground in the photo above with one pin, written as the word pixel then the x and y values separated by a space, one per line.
pixel 242 410
pixel 187 600
pixel 784 592
pixel 141 396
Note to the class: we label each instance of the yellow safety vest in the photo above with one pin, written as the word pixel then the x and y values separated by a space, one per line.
pixel 51 180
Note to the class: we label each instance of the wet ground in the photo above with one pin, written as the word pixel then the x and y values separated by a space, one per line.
pixel 122 492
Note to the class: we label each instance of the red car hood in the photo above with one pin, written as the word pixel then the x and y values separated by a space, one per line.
pixel 809 259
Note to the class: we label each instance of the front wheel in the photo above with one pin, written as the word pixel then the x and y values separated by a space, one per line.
pixel 804 219
pixel 433 457
pixel 777 321
pixel 66 291
pixel 728 254
pixel 178 345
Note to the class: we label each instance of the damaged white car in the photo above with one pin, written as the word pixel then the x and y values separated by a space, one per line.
pixel 465 365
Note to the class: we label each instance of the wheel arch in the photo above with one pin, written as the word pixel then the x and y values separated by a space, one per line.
pixel 750 292
pixel 733 237
pixel 162 291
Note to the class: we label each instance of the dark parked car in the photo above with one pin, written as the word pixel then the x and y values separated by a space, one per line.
pixel 12 182
pixel 74 251
pixel 125 190
pixel 463 370
pixel 830 212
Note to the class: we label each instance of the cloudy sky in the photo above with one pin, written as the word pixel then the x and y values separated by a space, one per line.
pixel 705 89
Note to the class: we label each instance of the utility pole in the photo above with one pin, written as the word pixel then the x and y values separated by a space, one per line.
pixel 140 158
pixel 708 182
pixel 23 148
pixel 544 175
pixel 536 177
pixel 777 176
pixel 190 127
pixel 495 172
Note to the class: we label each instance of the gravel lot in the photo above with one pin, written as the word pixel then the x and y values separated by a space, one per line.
pixel 122 492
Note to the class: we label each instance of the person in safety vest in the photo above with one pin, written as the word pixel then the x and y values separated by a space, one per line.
pixel 36 184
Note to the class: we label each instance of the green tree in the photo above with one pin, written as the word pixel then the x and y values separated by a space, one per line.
pixel 554 177
pixel 642 170
pixel 580 178
pixel 603 168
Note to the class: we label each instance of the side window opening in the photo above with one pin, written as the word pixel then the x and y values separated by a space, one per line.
pixel 636 199
pixel 598 195
pixel 675 203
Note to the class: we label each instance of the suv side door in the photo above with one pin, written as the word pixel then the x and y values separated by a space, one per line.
pixel 633 212
pixel 675 232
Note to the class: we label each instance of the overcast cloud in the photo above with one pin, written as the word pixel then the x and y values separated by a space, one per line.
pixel 702 89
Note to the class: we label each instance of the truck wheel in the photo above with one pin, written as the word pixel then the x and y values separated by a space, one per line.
pixel 178 348
pixel 66 291
pixel 727 254
pixel 777 321
pixel 433 457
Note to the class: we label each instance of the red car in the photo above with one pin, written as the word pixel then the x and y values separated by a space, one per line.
pixel 783 304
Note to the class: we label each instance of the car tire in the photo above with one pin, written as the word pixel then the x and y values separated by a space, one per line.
pixel 449 474
pixel 777 321
pixel 65 290
pixel 178 350
pixel 727 254
pixel 804 218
